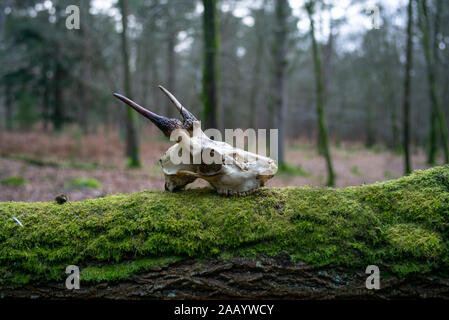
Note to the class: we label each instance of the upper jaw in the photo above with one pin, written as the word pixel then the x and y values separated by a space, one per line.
pixel 229 192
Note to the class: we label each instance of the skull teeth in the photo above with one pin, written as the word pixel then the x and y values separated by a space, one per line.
pixel 236 193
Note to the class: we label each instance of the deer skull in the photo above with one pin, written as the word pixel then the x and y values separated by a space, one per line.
pixel 229 170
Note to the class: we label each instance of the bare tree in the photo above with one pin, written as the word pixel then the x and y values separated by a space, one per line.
pixel 279 87
pixel 132 150
pixel 209 95
pixel 437 116
pixel 259 16
pixel 83 112
pixel 172 34
pixel 323 137
pixel 406 101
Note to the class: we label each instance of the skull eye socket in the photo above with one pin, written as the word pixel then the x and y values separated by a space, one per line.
pixel 211 162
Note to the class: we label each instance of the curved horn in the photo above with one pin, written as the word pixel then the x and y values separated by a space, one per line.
pixel 165 124
pixel 188 117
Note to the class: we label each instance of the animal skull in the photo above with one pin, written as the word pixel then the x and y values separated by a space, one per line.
pixel 229 170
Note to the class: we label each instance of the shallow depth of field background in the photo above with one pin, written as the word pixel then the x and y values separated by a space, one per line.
pixel 62 131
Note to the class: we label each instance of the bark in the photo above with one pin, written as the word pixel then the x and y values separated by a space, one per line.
pixel 323 140
pixel 370 136
pixel 58 114
pixel 155 75
pixel 172 35
pixel 407 80
pixel 327 57
pixel 279 86
pixel 149 77
pixel 390 100
pixel 46 103
pixel 210 74
pixel 8 107
pixel 436 32
pixel 132 151
pixel 2 19
pixel 257 67
pixel 393 117
pixel 327 70
pixel 437 116
pixel 83 113
pixel 58 108
pixel 242 278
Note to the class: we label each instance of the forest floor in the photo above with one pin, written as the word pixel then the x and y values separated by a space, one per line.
pixel 37 166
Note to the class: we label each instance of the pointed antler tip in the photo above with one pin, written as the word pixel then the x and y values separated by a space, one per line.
pixel 184 112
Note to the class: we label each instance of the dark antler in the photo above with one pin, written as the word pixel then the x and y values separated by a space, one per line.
pixel 166 125
pixel 187 116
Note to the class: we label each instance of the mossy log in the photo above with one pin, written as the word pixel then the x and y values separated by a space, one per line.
pixel 294 242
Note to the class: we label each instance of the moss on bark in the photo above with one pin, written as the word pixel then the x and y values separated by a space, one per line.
pixel 401 225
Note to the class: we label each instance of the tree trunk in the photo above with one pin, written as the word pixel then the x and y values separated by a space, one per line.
pixel 320 98
pixel 209 95
pixel 83 112
pixel 394 124
pixel 2 20
pixel 327 69
pixel 279 87
pixel 259 17
pixel 390 102
pixel 155 76
pixel 407 82
pixel 369 123
pixel 437 116
pixel 132 150
pixel 171 58
pixel 148 48
pixel 46 102
pixel 436 31
pixel 263 278
pixel 440 110
pixel 9 107
pixel 58 108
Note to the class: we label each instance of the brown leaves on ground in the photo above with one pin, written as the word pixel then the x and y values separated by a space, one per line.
pixel 100 156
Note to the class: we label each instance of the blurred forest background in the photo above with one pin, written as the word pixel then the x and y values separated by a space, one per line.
pixel 359 90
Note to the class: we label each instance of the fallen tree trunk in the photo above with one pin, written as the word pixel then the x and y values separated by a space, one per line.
pixel 243 278
pixel 288 243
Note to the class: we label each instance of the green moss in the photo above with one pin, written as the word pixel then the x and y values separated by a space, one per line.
pixel 15 181
pixel 401 225
pixel 123 270
pixel 418 242
pixel 80 183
